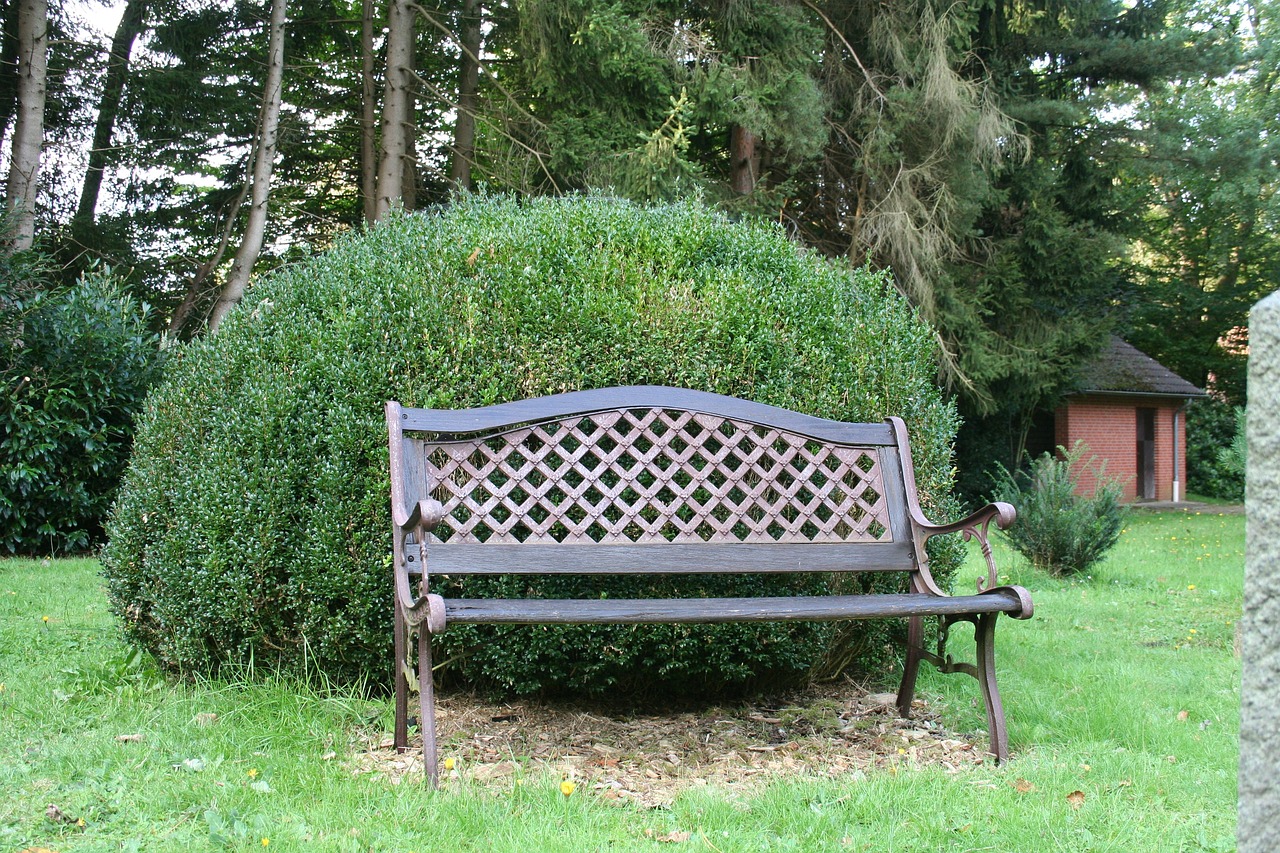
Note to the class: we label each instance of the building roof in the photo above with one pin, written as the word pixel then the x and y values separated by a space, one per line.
pixel 1124 369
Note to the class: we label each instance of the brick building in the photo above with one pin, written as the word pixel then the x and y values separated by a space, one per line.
pixel 1130 411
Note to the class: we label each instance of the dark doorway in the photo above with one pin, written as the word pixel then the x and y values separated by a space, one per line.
pixel 1147 454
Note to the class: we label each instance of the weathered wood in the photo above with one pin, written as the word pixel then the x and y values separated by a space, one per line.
pixel 821 608
pixel 682 558
pixel 503 415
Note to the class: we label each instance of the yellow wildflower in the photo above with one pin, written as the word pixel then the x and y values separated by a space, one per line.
pixel 450 763
pixel 567 786
pixel 253 773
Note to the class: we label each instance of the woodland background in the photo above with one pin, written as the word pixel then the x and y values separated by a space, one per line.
pixel 1037 175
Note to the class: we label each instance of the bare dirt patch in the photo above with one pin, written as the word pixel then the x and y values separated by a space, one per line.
pixel 649 758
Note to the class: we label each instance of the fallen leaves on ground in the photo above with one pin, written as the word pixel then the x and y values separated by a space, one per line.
pixel 57 815
pixel 649 758
pixel 1076 799
pixel 678 837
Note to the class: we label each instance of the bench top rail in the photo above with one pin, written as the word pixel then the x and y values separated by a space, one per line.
pixel 502 416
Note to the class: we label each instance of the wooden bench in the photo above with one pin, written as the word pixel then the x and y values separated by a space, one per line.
pixel 656 480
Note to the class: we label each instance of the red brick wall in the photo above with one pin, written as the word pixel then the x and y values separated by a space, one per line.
pixel 1109 426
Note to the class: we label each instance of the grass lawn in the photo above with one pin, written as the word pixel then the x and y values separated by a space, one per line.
pixel 1122 696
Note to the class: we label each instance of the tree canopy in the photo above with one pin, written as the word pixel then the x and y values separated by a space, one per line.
pixel 1037 174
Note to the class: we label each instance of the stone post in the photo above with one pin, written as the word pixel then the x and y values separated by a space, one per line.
pixel 1259 826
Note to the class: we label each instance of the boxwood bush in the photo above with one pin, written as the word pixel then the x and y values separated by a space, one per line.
pixel 254 523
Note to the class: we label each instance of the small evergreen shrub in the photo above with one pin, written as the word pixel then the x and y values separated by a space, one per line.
pixel 75 367
pixel 254 520
pixel 1058 530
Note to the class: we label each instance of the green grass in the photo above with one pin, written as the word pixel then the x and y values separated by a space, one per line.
pixel 1123 688
pixel 1212 501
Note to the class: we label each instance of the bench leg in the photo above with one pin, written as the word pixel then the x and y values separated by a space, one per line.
pixel 427 707
pixel 986 636
pixel 911 668
pixel 401 676
pixel 984 630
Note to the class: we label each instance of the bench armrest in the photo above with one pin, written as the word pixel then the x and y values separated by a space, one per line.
pixel 974 526
pixel 425 515
pixel 1001 513
pixel 416 610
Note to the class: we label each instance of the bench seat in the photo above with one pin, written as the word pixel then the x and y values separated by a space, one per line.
pixel 815 608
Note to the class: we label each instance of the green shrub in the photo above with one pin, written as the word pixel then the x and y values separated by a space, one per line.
pixel 1059 531
pixel 1233 459
pixel 254 521
pixel 1213 468
pixel 75 366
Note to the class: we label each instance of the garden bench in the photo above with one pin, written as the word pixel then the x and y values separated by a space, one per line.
pixel 650 480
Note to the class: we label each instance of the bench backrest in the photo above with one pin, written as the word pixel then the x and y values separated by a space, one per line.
pixel 528 486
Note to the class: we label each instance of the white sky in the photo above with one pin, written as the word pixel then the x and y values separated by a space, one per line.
pixel 102 15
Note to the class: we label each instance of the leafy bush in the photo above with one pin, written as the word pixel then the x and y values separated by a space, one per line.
pixel 1215 449
pixel 254 520
pixel 1058 530
pixel 1212 425
pixel 75 366
pixel 1233 459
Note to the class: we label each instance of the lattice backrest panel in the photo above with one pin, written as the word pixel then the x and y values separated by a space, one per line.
pixel 648 475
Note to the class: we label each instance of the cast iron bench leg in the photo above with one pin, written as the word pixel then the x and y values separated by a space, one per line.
pixel 401 676
pixel 911 668
pixel 984 671
pixel 986 636
pixel 427 706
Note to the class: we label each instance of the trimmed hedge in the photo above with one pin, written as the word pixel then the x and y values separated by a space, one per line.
pixel 254 521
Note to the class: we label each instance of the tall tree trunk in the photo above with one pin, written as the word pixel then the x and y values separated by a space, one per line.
pixel 368 117
pixel 8 66
pixel 28 131
pixel 109 107
pixel 263 163
pixel 409 181
pixel 196 292
pixel 464 129
pixel 744 161
pixel 395 106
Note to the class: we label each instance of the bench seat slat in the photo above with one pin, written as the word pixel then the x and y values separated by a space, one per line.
pixel 673 558
pixel 807 608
